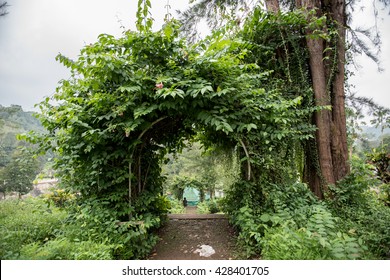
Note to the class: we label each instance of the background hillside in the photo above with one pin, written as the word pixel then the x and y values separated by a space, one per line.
pixel 373 133
pixel 13 121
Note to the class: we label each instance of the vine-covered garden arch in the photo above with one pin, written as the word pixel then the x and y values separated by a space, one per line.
pixel 131 100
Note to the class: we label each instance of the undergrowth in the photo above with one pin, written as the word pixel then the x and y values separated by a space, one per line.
pixel 277 221
pixel 176 207
pixel 208 207
pixel 26 221
pixel 357 201
pixel 39 228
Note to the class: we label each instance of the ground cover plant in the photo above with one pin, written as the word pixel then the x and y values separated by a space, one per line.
pixel 36 228
pixel 24 222
pixel 289 222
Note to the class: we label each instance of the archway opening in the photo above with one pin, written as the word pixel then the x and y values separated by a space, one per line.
pixel 200 175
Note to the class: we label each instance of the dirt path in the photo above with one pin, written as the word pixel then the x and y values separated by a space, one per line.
pixel 191 210
pixel 184 234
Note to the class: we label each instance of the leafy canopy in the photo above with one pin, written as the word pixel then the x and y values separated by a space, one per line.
pixel 132 99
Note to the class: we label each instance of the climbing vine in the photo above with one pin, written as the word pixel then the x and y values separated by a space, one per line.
pixel 131 100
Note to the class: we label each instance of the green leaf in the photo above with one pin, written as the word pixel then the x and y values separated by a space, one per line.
pixel 206 89
pixel 129 89
pixel 251 126
pixel 144 109
pixel 265 218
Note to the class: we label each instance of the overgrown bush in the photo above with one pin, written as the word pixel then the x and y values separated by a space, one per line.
pixel 176 207
pixel 65 249
pixel 134 239
pixel 213 206
pixel 356 203
pixel 59 197
pixel 286 221
pixel 202 208
pixel 208 207
pixel 319 239
pixel 380 160
pixel 384 194
pixel 290 223
pixel 26 221
pixel 30 229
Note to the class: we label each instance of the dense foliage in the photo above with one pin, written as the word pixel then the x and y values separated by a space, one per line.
pixel 289 222
pixel 132 100
pixel 30 229
pixel 361 207
pixel 23 222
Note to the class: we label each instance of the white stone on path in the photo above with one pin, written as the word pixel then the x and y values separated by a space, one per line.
pixel 205 251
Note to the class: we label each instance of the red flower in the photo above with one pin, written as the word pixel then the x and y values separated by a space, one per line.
pixel 159 86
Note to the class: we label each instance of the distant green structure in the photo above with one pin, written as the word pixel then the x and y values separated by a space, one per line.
pixel 192 195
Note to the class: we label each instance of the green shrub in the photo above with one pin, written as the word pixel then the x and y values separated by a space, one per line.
pixel 59 198
pixel 33 229
pixel 356 203
pixel 251 230
pixel 176 207
pixel 355 188
pixel 320 238
pixel 291 223
pixel 26 221
pixel 94 220
pixel 208 207
pixel 213 206
pixel 64 249
pixel 202 208
pixel 370 221
pixel 384 194
pixel 285 242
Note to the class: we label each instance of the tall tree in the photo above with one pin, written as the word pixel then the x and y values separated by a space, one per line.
pixel 19 174
pixel 328 84
pixel 328 87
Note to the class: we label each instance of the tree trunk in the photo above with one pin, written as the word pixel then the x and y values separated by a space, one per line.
pixel 312 170
pixel 202 195
pixel 339 132
pixel 327 158
pixel 322 117
pixel 212 194
pixel 331 136
pixel 272 6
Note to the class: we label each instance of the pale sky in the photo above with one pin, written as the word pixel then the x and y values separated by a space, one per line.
pixel 35 31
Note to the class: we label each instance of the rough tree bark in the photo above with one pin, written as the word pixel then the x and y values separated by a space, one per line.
pixel 272 5
pixel 331 136
pixel 339 132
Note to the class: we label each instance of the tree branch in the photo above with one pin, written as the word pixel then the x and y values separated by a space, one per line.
pixel 248 159
pixel 3 11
